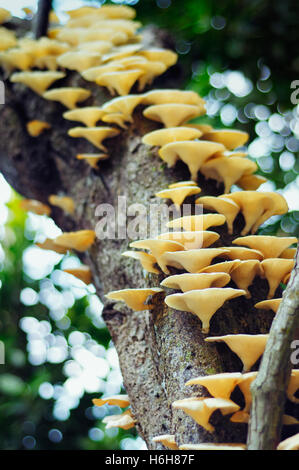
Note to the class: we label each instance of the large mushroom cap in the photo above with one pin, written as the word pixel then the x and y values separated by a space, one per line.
pixel 115 400
pixel 37 81
pixel 195 281
pixel 134 298
pixel 95 135
pixel 170 134
pixel 219 385
pixel 166 96
pixel 275 270
pixel 230 138
pixel 223 206
pixel 191 239
pixel 89 115
pixel 197 222
pixel 158 248
pixel 178 194
pixel 193 260
pixel 68 96
pixel 270 246
pixel 172 114
pixel 80 240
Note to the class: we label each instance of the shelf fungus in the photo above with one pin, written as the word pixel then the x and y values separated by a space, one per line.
pixel 257 207
pixel 125 105
pixel 293 386
pixel 158 248
pixel 230 138
pixel 218 385
pixel 119 82
pixel 49 244
pixel 168 440
pixel 172 114
pixel 291 443
pixel 251 182
pixel 94 135
pixel 288 253
pixel 178 195
pixel 227 170
pixel 80 240
pixel 201 409
pixel 166 136
pixel 134 298
pixel 241 253
pixel 244 384
pixel 169 96
pixel 79 60
pixel 229 209
pixel 271 304
pixel 248 348
pixel 224 267
pixel 115 400
pixel 89 115
pixel 197 222
pixel 193 153
pixel 274 271
pixel 192 260
pixel 8 39
pixel 36 127
pixel 166 56
pixel 191 239
pixel 38 81
pixel 270 246
pixel 124 420
pixel 65 203
pixel 203 303
pixel 68 96
pixel 16 59
pixel 181 184
pixel 5 15
pixel 37 207
pixel 244 274
pixel 146 260
pixel 82 272
pixel 92 158
pixel 186 282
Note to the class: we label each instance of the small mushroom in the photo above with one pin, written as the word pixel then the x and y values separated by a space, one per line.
pixel 94 135
pixel 36 127
pixel 37 207
pixel 244 274
pixel 230 138
pixel 203 303
pixel 37 81
pixel 251 182
pixel 172 114
pixel 197 222
pixel 223 206
pixel 120 81
pixel 275 270
pixel 169 96
pixel 89 115
pixel 158 248
pixel 166 56
pixel 191 239
pixel 225 267
pixel 179 194
pixel 244 385
pixel 92 158
pixel 192 260
pixel 201 409
pixel 186 282
pixel 49 244
pixel 80 240
pixel 124 420
pixel 168 440
pixel 241 253
pixel 65 203
pixel 271 304
pixel 270 246
pixel 16 59
pixel 68 96
pixel 79 60
pixel 8 39
pixel 147 261
pixel 291 443
pixel 115 400
pixel 163 137
pixel 218 385
pixel 124 105
pixel 248 347
pixel 82 272
pixel 134 298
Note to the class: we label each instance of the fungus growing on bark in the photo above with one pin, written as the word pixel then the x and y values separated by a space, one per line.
pixel 16 59
pixel 65 203
pixel 223 206
pixel 147 261
pixel 197 222
pixel 79 60
pixel 213 446
pixel 244 273
pixel 180 184
pixel 5 15
pixel 270 246
pixel 251 182
pixel 178 194
pixel 203 303
pixel 157 97
pixel 244 384
pixel 7 39
pixel 168 440
pixel 291 443
pixel 172 114
pixel 243 253
pixel 288 253
pixel 134 298
pixel 166 56
pixel 124 105
pixel 186 282
pixel 124 420
pixel 225 267
pixel 121 52
pixel 271 304
pixel 158 248
pixel 150 70
pixel 82 272
pixel 80 240
pixel 37 207
pixel 193 153
pixel 163 137
pixel 94 135
pixel 192 260
pixel 230 138
pixel 68 96
pixel 293 386
pixel 218 385
pixel 92 158
pixel 115 400
pixel 247 347
pixel 36 127
pixel 89 115
pixel 120 82
pixel 101 46
pixel 191 239
pixel 275 270
pixel 201 409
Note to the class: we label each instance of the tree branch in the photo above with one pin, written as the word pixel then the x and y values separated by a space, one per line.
pixel 41 21
pixel 269 388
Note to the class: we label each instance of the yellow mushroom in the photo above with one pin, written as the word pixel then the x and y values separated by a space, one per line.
pixel 270 246
pixel 288 253
pixel 101 46
pixel 223 206
pixel 115 118
pixel 37 207
pixel 65 203
pixel 16 59
pixel 180 184
pixel 49 244
pixel 242 253
pixel 124 420
pixel 120 81
pixel 5 15
pixel 8 39
pixel 248 348
pixel 134 298
pixel 115 400
pixel 271 304
pixel 158 248
pixel 275 270
pixel 168 440
pixel 92 158
pixel 191 239
pixel 124 105
pixel 166 56
pixel 150 70
pixel 36 127
pixel 230 138
pixel 179 194
pixel 94 135
pixel 186 282
pixel 218 385
pixel 147 261
pixel 68 96
pixel 203 303
pixel 197 222
pixel 82 272
pixel 94 73
pixel 201 409
pixel 89 115
pixel 172 114
pixel 244 274
pixel 80 240
pixel 251 182
pixel 170 134
pixel 79 60
pixel 37 81
pixel 192 260
pixel 291 443
pixel 169 96
pixel 225 267
pixel 244 385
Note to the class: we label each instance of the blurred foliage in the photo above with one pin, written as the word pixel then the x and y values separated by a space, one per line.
pixel 242 57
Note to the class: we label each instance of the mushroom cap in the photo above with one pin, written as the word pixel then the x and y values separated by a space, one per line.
pixel 36 80
pixel 49 244
pixel 203 303
pixel 79 60
pixel 100 46
pixel 168 440
pixel 150 71
pixel 166 56
pixel 230 138
pixel 251 182
pixel 225 267
pixel 162 137
pixel 191 239
pixel 115 118
pixel 94 135
pixel 178 194
pixel 172 114
pixel 213 446
pixel 120 81
pixel 115 400
pixel 92 158
pixel 158 248
pixel 193 153
pixel 36 127
pixel 241 253
pixel 218 385
pixel 94 73
pixel 82 272
pixel 66 203
pixel 248 347
pixel 8 39
pixel 124 420
pixel 288 253
pixel 80 240
pixel 192 260
pixel 168 96
pixel 291 443
pixel 180 184
pixel 37 207
pixel 197 222
pixel 5 15
pixel 271 304
pixel 123 104
pixel 16 59
pixel 224 206
pixel 68 96
pixel 121 52
pixel 244 385
pixel 270 246
pixel 89 115
pixel 186 282
pixel 134 298
pixel 275 270
pixel 244 273
pixel 147 260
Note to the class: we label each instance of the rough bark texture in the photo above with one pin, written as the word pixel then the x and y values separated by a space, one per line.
pixel 269 389
pixel 158 350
